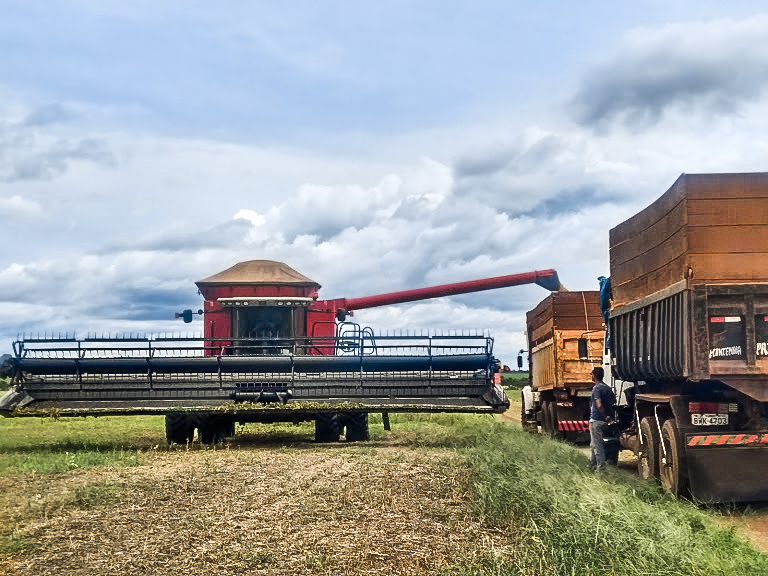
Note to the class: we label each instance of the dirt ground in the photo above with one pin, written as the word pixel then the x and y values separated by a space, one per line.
pixel 751 521
pixel 305 509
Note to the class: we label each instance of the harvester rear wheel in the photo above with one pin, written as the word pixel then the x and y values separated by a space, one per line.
pixel 673 470
pixel 357 427
pixel 179 428
pixel 326 428
pixel 648 449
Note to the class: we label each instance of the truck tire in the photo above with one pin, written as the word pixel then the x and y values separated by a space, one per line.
pixel 648 450
pixel 554 422
pixel 357 427
pixel 522 410
pixel 326 428
pixel 179 428
pixel 673 469
pixel 545 418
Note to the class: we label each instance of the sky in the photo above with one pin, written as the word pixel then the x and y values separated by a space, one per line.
pixel 372 146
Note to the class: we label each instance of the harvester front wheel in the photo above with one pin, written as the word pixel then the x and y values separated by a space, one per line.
pixel 357 427
pixel 672 466
pixel 326 428
pixel 179 428
pixel 648 449
pixel 213 430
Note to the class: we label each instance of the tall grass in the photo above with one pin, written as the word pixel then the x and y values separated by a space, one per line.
pixel 579 523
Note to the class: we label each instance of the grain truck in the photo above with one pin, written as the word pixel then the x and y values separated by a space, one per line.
pixel 271 351
pixel 688 327
pixel 565 341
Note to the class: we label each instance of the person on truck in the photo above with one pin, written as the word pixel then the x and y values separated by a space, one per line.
pixel 600 417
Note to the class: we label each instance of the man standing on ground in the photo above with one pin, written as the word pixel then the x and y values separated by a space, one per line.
pixel 599 418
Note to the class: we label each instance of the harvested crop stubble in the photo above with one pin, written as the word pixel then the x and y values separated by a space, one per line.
pixel 335 510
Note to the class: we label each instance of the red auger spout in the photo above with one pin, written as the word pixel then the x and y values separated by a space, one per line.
pixel 546 278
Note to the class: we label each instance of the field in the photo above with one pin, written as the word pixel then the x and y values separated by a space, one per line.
pixel 437 495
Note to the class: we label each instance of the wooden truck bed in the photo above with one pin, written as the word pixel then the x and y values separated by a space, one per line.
pixel 554 329
pixel 707 228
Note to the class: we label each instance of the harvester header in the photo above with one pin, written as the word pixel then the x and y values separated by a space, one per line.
pixel 271 351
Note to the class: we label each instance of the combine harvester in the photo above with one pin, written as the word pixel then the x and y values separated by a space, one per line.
pixel 271 352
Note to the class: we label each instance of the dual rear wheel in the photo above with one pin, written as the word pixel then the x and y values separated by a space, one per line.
pixel 662 456
pixel 549 420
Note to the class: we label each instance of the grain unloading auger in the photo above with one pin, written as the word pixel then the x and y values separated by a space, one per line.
pixel 271 351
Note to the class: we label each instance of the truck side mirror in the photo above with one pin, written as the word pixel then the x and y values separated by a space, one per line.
pixel 187 315
pixel 519 361
pixel 583 349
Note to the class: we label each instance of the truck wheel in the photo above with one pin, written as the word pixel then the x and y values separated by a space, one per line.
pixel 648 450
pixel 357 427
pixel 522 410
pixel 545 418
pixel 554 422
pixel 179 428
pixel 672 467
pixel 326 428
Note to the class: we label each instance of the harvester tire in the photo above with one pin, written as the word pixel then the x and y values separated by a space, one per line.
pixel 213 430
pixel 673 469
pixel 357 427
pixel 648 449
pixel 326 428
pixel 179 428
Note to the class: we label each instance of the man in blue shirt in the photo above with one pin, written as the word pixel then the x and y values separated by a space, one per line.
pixel 600 416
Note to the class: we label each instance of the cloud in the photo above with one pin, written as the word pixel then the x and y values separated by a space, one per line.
pixel 251 216
pixel 16 206
pixel 717 65
pixel 50 114
pixel 56 159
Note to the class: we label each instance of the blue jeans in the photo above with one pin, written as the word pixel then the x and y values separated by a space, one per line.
pixel 596 432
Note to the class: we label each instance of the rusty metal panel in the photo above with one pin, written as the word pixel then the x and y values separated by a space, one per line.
pixel 707 228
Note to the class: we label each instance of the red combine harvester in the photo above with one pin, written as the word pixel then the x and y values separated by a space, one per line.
pixel 271 352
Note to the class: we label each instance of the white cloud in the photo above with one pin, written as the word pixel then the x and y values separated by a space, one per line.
pixel 17 206
pixel 251 216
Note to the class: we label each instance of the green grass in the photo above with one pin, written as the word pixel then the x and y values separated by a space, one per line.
pixel 514 380
pixel 49 446
pixel 566 520
pixel 559 518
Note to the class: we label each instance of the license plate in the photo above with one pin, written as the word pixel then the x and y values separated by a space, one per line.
pixel 709 419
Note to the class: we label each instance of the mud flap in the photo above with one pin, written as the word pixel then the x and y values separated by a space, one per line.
pixel 728 473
